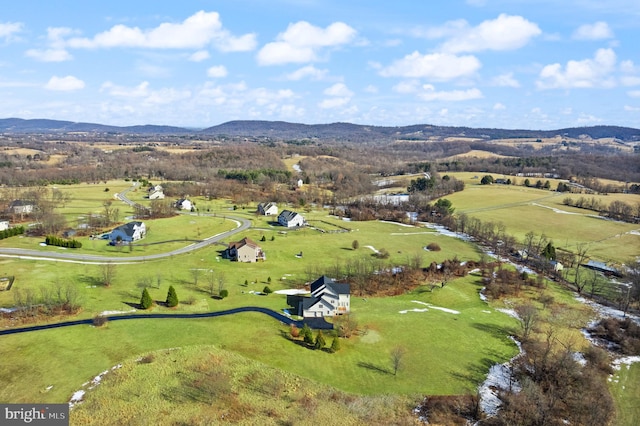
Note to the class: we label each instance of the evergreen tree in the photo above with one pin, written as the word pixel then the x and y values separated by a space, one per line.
pixel 307 334
pixel 145 300
pixel 335 344
pixel 172 297
pixel 267 290
pixel 549 251
pixel 320 342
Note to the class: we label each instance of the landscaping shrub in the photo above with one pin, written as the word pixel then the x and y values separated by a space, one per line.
pixel 99 321
pixel 267 290
pixel 335 344
pixel 52 240
pixel 224 293
pixel 145 300
pixel 320 342
pixel 433 247
pixel 11 232
pixel 172 297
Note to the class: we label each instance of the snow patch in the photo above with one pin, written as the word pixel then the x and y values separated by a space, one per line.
pixel 292 291
pixel 78 396
pixel 373 249
pixel 104 313
pixel 430 306
pixel 499 378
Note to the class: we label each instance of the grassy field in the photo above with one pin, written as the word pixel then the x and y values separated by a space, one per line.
pixel 451 337
pixel 198 384
pixel 625 386
pixel 447 352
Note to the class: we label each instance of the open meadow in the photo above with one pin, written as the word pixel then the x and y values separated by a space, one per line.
pixel 450 336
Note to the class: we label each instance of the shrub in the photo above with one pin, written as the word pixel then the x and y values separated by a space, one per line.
pixel 320 342
pixel 335 344
pixel 224 293
pixel 307 334
pixel 294 331
pixel 433 247
pixel 172 297
pixel 267 290
pixel 145 300
pixel 99 320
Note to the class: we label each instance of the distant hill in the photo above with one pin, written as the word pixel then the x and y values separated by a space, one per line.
pixel 347 132
pixel 19 125
pixel 355 132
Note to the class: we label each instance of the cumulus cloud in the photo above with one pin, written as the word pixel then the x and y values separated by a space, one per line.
pixel 435 66
pixel 505 80
pixel 308 71
pixel 506 32
pixel 302 42
pixel 580 74
pixel 339 95
pixel 8 30
pixel 195 32
pixel 199 56
pixel 218 71
pixel 431 94
pixel 145 94
pixel 596 31
pixel 66 84
pixel 407 86
pixel 49 55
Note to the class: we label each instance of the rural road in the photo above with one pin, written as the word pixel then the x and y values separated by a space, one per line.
pixel 273 314
pixel 86 258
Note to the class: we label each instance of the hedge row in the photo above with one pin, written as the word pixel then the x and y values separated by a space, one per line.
pixel 11 232
pixel 52 240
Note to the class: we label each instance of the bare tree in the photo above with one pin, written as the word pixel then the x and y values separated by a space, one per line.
pixel 528 315
pixel 397 357
pixel 581 256
pixel 107 274
pixel 195 275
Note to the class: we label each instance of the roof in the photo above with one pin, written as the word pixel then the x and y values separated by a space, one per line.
pixel 129 228
pixel 243 242
pixel 331 285
pixel 18 203
pixel 287 214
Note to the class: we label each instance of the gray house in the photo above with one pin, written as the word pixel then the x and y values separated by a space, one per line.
pixel 290 219
pixel 328 298
pixel 128 232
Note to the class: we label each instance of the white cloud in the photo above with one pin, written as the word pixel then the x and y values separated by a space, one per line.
pixel 49 55
pixel 505 80
pixel 301 42
pixel 9 29
pixel 338 89
pixel 430 94
pixel 436 66
pixel 333 103
pixel 580 74
pixel 407 86
pixel 371 89
pixel 199 56
pixel 218 71
pixel 631 108
pixel 67 83
pixel 506 32
pixel 145 94
pixel 195 32
pixel 499 107
pixel 308 71
pixel 634 93
pixel 629 67
pixel 596 31
pixel 630 80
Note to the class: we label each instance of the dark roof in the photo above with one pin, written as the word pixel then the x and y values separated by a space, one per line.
pixel 127 228
pixel 18 203
pixel 338 288
pixel 323 280
pixel 243 242
pixel 287 214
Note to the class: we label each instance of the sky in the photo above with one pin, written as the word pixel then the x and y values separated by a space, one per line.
pixel 528 64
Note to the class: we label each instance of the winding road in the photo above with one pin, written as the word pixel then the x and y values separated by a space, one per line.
pixel 242 223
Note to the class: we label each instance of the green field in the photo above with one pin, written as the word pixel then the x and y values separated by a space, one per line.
pixel 451 337
pixel 625 386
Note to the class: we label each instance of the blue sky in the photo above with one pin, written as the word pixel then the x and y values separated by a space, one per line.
pixel 534 64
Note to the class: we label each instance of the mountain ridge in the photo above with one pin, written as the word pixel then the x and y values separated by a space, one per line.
pixel 335 131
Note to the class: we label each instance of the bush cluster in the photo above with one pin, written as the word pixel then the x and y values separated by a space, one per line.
pixel 52 240
pixel 11 232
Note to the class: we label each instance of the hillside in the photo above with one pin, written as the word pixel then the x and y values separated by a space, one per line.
pixel 346 132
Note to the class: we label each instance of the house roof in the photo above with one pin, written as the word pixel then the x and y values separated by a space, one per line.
pixel 330 285
pixel 19 203
pixel 267 206
pixel 129 228
pixel 243 242
pixel 288 215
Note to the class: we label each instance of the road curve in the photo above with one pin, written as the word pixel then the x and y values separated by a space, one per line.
pixel 243 224
pixel 273 314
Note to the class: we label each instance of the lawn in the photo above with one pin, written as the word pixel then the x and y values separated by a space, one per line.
pixel 447 353
pixel 625 386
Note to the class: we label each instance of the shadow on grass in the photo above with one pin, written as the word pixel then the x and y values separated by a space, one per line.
pixel 475 372
pixel 374 368
pixel 496 331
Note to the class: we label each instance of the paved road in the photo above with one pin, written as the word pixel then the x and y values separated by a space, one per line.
pixel 273 314
pixel 66 256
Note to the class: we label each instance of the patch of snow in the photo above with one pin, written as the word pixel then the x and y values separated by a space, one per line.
pixel 487 312
pixel 579 358
pixel 606 311
pixel 103 313
pixel 297 168
pixel 406 225
pixel 555 210
pixel 78 396
pixel 499 378
pixel 510 312
pixel 429 305
pixel 372 248
pixel 483 296
pixel 627 360
pixel 292 291
pixel 413 310
pixel 444 231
